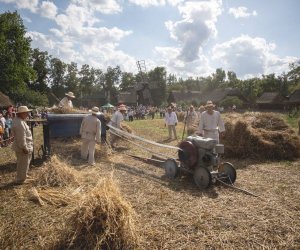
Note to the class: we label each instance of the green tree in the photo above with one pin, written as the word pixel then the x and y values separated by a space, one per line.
pixel 158 79
pixel 15 69
pixel 112 80
pixel 127 80
pixel 39 62
pixel 57 76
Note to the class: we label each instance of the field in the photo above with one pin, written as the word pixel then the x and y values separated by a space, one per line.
pixel 169 214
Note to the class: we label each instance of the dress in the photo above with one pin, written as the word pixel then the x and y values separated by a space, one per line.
pixel 22 141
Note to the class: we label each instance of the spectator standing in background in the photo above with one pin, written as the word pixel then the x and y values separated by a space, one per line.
pixel 171 121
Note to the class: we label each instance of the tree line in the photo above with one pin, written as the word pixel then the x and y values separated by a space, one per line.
pixel 33 77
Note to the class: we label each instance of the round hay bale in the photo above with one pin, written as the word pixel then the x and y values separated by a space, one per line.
pixel 260 136
pixel 56 173
pixel 103 220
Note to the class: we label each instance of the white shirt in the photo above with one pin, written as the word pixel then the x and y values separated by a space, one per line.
pixel 171 118
pixel 211 122
pixel 116 119
pixel 66 103
pixel 91 128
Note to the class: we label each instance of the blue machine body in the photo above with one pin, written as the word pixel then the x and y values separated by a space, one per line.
pixel 68 125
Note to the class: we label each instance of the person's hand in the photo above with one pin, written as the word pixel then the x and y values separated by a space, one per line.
pixel 25 151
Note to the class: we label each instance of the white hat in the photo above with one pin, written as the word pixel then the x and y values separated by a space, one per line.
pixel 70 94
pixel 23 109
pixel 95 110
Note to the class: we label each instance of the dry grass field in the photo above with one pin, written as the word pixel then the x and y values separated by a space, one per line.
pixel 163 213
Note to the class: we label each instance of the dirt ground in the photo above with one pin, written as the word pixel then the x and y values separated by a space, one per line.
pixel 170 214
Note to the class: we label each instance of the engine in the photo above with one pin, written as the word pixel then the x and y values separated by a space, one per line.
pixel 197 151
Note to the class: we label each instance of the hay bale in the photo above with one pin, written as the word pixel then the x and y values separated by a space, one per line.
pixel 180 116
pixel 65 110
pixel 260 136
pixel 126 128
pixel 56 173
pixel 104 220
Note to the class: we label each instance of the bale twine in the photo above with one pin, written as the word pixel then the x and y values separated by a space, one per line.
pixel 260 136
pixel 56 173
pixel 103 220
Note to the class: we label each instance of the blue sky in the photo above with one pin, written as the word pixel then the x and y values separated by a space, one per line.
pixel 189 38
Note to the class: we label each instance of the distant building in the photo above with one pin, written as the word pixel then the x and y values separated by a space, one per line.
pixel 184 96
pixel 5 101
pixel 271 100
pixel 93 100
pixel 294 100
pixel 218 95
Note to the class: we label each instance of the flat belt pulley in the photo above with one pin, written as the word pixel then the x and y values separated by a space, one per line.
pixel 188 155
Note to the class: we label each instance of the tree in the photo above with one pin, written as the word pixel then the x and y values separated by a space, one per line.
pixel 15 69
pixel 71 80
pixel 128 80
pixel 112 79
pixel 158 79
pixel 57 76
pixel 39 61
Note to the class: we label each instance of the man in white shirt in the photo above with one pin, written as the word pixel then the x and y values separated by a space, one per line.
pixel 211 123
pixel 66 102
pixel 171 121
pixel 115 121
pixel 90 132
pixel 23 143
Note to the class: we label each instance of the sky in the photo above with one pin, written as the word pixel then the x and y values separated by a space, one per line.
pixel 189 38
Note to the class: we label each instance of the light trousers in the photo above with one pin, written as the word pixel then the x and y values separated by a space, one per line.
pixel 212 135
pixel 172 128
pixel 23 162
pixel 88 149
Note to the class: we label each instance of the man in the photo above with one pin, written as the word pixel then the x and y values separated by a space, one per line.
pixel 191 119
pixel 23 143
pixel 90 132
pixel 171 121
pixel 211 123
pixel 66 102
pixel 115 121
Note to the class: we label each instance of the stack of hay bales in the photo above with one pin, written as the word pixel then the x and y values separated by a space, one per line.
pixel 103 220
pixel 56 173
pixel 260 136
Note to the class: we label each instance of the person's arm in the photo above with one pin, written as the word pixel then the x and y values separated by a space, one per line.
pixel 98 131
pixel 201 124
pixel 221 124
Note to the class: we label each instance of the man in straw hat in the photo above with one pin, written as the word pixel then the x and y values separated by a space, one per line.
pixel 115 121
pixel 211 122
pixel 171 121
pixel 66 102
pixel 23 143
pixel 90 132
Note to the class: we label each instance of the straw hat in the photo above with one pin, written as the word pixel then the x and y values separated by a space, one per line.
pixel 70 94
pixel 122 108
pixel 209 104
pixel 95 110
pixel 23 109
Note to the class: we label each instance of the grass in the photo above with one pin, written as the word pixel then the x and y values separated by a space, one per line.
pixel 170 214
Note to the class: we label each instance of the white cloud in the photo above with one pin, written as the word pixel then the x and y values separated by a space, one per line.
pixel 196 27
pixel 167 56
pixel 241 12
pixel 24 4
pixel 249 56
pixel 148 3
pixel 102 6
pixel 48 9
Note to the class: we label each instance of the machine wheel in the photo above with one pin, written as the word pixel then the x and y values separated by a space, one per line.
pixel 202 177
pixel 227 170
pixel 171 168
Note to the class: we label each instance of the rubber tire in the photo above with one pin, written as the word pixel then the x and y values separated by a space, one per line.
pixel 171 169
pixel 202 177
pixel 228 169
